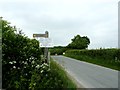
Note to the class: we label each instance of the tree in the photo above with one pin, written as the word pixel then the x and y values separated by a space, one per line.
pixel 79 42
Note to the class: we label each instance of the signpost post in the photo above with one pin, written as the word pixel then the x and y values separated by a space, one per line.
pixel 44 44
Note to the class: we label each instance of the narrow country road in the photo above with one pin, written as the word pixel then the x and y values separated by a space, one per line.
pixel 89 75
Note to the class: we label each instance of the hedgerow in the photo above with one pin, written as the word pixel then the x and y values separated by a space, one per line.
pixel 18 55
pixel 105 57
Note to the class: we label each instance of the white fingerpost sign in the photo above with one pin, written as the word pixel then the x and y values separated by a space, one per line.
pixel 46 42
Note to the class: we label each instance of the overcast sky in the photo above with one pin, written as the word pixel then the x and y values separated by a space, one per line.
pixel 96 19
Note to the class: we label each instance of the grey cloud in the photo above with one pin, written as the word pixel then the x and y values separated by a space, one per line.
pixel 98 21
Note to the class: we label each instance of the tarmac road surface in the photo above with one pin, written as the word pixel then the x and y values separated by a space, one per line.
pixel 87 74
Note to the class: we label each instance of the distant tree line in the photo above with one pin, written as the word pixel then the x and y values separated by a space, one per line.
pixel 78 42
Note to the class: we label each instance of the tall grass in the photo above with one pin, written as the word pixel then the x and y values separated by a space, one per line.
pixel 61 77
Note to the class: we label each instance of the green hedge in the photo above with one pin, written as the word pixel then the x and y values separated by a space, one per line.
pixel 105 57
pixel 58 51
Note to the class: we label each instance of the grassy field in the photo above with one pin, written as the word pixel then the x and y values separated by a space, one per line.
pixel 109 58
pixel 61 77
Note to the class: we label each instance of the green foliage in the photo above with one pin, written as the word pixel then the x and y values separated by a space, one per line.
pixel 18 53
pixel 57 50
pixel 106 57
pixel 59 75
pixel 55 78
pixel 79 42
pixel 23 68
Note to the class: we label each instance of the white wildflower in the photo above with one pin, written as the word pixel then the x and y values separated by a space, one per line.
pixel 25 63
pixel 33 62
pixel 38 66
pixel 43 67
pixel 14 61
pixel 46 64
pixel 14 67
pixel 22 61
pixel 34 84
pixel 32 65
pixel 31 58
pixel 18 67
pixel 11 62
pixel 41 71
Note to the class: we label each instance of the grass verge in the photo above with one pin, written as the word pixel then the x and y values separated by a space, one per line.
pixel 97 61
pixel 61 76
